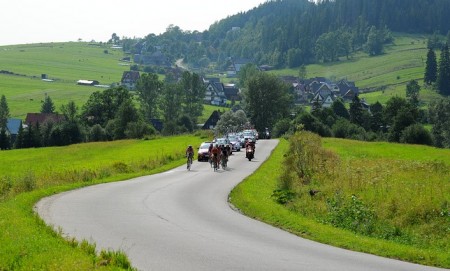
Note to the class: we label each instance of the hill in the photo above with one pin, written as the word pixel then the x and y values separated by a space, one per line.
pixel 22 66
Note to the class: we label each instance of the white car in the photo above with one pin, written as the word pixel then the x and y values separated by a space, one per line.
pixel 235 142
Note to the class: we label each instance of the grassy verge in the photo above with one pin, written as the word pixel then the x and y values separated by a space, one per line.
pixel 255 198
pixel 28 175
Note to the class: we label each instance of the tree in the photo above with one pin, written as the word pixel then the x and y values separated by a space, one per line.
pixel 302 72
pixel 149 89
pixel 356 111
pixel 268 100
pixel 412 92
pixel 5 140
pixel 127 113
pixel 443 79
pixel 431 68
pixel 377 117
pixel 70 111
pixel 374 44
pixel 231 121
pixel 339 109
pixel 194 93
pixel 170 103
pixel 102 106
pixel 47 105
pixel 4 112
pixel 439 113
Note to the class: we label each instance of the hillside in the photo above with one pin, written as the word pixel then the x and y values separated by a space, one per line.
pixel 65 63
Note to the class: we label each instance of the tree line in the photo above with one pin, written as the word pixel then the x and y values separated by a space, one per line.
pixel 115 113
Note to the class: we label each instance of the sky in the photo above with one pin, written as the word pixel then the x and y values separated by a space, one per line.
pixel 35 21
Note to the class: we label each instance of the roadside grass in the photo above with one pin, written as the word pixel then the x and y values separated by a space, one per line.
pixel 28 175
pixel 408 188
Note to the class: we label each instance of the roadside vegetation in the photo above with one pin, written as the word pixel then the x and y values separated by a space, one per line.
pixel 29 175
pixel 386 199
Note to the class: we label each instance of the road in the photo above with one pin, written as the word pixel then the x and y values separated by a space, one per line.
pixel 181 220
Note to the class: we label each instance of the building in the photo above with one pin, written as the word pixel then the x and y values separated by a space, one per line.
pixel 130 79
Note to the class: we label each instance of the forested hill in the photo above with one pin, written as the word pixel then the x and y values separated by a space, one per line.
pixel 295 32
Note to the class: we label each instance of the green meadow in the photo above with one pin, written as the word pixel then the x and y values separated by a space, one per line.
pixel 386 199
pixel 27 175
pixel 65 63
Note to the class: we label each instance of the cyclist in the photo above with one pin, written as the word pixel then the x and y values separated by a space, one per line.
pixel 190 154
pixel 224 155
pixel 215 155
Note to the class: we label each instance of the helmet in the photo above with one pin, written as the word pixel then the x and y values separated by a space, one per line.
pixel 190 146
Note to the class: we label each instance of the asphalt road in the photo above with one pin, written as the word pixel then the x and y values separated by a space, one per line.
pixel 181 220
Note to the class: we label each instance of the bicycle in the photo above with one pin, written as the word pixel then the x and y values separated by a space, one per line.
pixel 224 161
pixel 189 162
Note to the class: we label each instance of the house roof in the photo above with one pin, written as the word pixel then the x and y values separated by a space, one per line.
pixel 33 118
pixel 212 120
pixel 132 76
pixel 13 126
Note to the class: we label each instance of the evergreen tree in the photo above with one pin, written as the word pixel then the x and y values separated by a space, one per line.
pixel 377 117
pixel 339 109
pixel 18 143
pixel 356 111
pixel 47 105
pixel 431 68
pixel 5 141
pixel 4 112
pixel 443 79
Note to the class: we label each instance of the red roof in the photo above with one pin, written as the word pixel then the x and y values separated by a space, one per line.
pixel 33 118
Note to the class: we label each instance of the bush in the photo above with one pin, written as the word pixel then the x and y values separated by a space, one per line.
pixel 97 133
pixel 416 134
pixel 281 127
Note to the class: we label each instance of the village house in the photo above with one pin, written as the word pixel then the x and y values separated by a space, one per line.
pixel 130 79
pixel 215 92
pixel 34 118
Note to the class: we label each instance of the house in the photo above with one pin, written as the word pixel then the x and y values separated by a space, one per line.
pixel 35 118
pixel 156 58
pixel 231 92
pixel 212 121
pixel 215 91
pixel 236 65
pixel 130 79
pixel 12 128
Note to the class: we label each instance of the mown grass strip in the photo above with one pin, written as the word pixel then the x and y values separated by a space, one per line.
pixel 253 198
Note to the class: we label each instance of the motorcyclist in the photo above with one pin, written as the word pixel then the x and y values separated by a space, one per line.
pixel 251 144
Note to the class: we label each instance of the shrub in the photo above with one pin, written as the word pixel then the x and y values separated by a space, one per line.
pixel 416 134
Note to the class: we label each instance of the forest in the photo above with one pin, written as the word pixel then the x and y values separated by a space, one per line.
pixel 291 33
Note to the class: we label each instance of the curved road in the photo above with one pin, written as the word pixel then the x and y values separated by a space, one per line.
pixel 181 220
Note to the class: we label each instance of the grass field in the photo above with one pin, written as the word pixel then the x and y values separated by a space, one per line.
pixel 65 63
pixel 27 175
pixel 407 186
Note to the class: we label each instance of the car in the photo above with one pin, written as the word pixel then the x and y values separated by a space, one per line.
pixel 203 151
pixel 235 142
pixel 248 135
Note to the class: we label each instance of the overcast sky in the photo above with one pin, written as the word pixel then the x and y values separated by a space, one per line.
pixel 34 21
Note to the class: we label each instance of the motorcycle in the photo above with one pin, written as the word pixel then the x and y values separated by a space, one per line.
pixel 249 153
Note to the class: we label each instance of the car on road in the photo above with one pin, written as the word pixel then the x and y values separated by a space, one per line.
pixel 235 142
pixel 203 151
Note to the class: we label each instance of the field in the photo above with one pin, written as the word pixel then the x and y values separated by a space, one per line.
pixel 28 175
pixel 380 77
pixel 65 63
pixel 402 189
